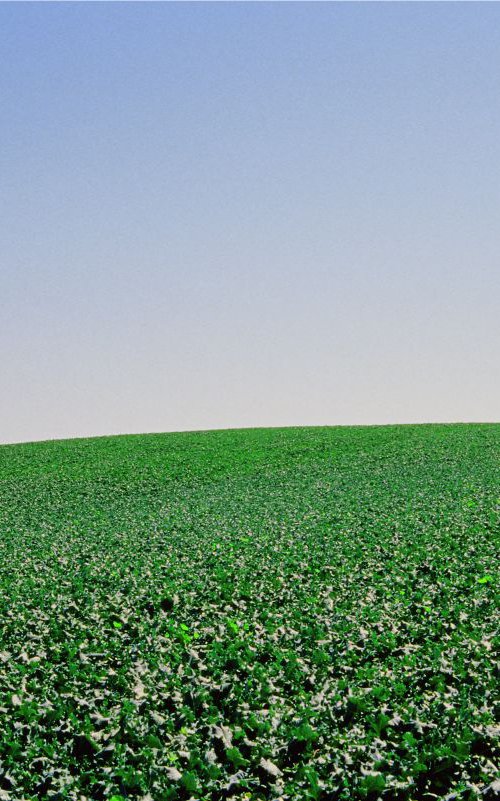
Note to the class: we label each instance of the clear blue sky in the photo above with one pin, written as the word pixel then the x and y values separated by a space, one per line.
pixel 221 215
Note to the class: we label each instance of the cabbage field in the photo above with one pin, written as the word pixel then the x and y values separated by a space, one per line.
pixel 302 613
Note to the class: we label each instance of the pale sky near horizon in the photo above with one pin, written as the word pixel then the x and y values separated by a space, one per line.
pixel 224 215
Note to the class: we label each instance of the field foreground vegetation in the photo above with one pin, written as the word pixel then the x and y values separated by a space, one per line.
pixel 281 613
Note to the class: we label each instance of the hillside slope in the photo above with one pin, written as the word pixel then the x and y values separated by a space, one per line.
pixel 285 613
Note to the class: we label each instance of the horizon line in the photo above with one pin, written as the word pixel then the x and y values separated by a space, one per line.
pixel 250 428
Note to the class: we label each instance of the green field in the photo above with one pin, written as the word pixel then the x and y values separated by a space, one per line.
pixel 302 613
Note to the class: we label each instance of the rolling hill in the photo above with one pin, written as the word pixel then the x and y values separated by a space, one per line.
pixel 301 613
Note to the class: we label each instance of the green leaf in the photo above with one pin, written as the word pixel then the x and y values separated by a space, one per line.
pixel 373 784
pixel 235 756
pixel 190 782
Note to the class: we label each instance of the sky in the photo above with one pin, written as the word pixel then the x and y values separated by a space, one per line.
pixel 220 215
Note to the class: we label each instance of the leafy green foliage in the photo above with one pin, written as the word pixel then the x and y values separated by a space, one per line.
pixel 285 613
